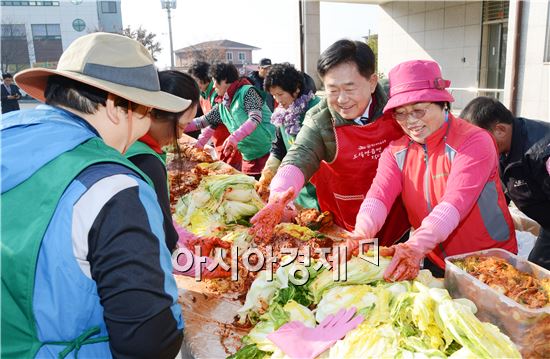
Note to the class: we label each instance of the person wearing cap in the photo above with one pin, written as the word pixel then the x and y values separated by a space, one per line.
pixel 524 149
pixel 209 97
pixel 245 114
pixel 85 268
pixel 446 171
pixel 287 85
pixel 338 146
pixel 257 79
pixel 10 94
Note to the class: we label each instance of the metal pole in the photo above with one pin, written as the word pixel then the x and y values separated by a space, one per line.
pixel 301 29
pixel 170 33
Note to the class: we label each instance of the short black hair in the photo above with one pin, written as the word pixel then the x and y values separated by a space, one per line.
pixel 286 77
pixel 6 75
pixel 347 51
pixel 76 95
pixel 199 70
pixel 223 71
pixel 485 112
pixel 63 91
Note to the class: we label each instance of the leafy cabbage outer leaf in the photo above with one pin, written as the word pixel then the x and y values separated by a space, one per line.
pixel 367 342
pixel 463 353
pixel 359 271
pixel 263 292
pixel 258 297
pixel 483 339
pixel 269 322
pixel 402 320
pixel 234 210
pixel 250 351
pixel 425 277
pixel 273 319
pixel 334 299
pixel 218 201
pixel 218 184
pixel 300 313
pixel 239 237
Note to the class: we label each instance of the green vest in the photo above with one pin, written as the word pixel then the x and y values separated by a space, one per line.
pixel 307 197
pixel 140 148
pixel 37 198
pixel 209 94
pixel 258 143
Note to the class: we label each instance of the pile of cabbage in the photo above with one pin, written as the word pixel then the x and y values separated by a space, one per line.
pixel 219 202
pixel 410 319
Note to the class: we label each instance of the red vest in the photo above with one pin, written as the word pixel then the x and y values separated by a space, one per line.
pixel 343 183
pixel 425 171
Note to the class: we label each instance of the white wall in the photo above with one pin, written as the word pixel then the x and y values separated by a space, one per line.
pixel 447 32
pixel 533 95
pixel 64 14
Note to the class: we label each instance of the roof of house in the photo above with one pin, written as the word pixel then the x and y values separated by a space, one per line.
pixel 226 44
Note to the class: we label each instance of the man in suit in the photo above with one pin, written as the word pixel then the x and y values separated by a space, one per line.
pixel 10 94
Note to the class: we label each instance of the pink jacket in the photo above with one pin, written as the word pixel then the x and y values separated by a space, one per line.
pixel 451 190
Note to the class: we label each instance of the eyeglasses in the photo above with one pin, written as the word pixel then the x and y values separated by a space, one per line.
pixel 416 113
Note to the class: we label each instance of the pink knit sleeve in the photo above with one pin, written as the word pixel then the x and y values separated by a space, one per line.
pixel 435 228
pixel 286 177
pixel 245 130
pixel 385 188
pixel 387 183
pixel 475 162
pixel 370 218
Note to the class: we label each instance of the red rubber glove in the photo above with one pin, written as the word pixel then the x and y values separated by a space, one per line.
pixel 405 263
pixel 268 217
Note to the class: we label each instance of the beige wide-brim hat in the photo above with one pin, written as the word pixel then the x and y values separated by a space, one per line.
pixel 111 62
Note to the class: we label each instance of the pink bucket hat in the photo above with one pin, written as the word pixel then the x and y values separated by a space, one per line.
pixel 417 81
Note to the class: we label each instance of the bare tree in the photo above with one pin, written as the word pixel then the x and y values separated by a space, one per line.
pixel 372 41
pixel 146 38
pixel 208 53
pixel 14 50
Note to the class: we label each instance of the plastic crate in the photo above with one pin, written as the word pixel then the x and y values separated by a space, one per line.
pixel 528 328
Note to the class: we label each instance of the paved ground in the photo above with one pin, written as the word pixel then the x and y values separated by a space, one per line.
pixel 27 105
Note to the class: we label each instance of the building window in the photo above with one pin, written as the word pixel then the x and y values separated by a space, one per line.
pixel 242 56
pixel 547 50
pixel 229 56
pixel 13 31
pixel 29 3
pixel 108 7
pixel 14 48
pixel 79 25
pixel 47 43
pixel 46 31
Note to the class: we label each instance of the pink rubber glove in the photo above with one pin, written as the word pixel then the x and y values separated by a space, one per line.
pixel 193 125
pixel 435 228
pixel 204 137
pixel 298 341
pixel 231 142
pixel 369 220
pixel 548 166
